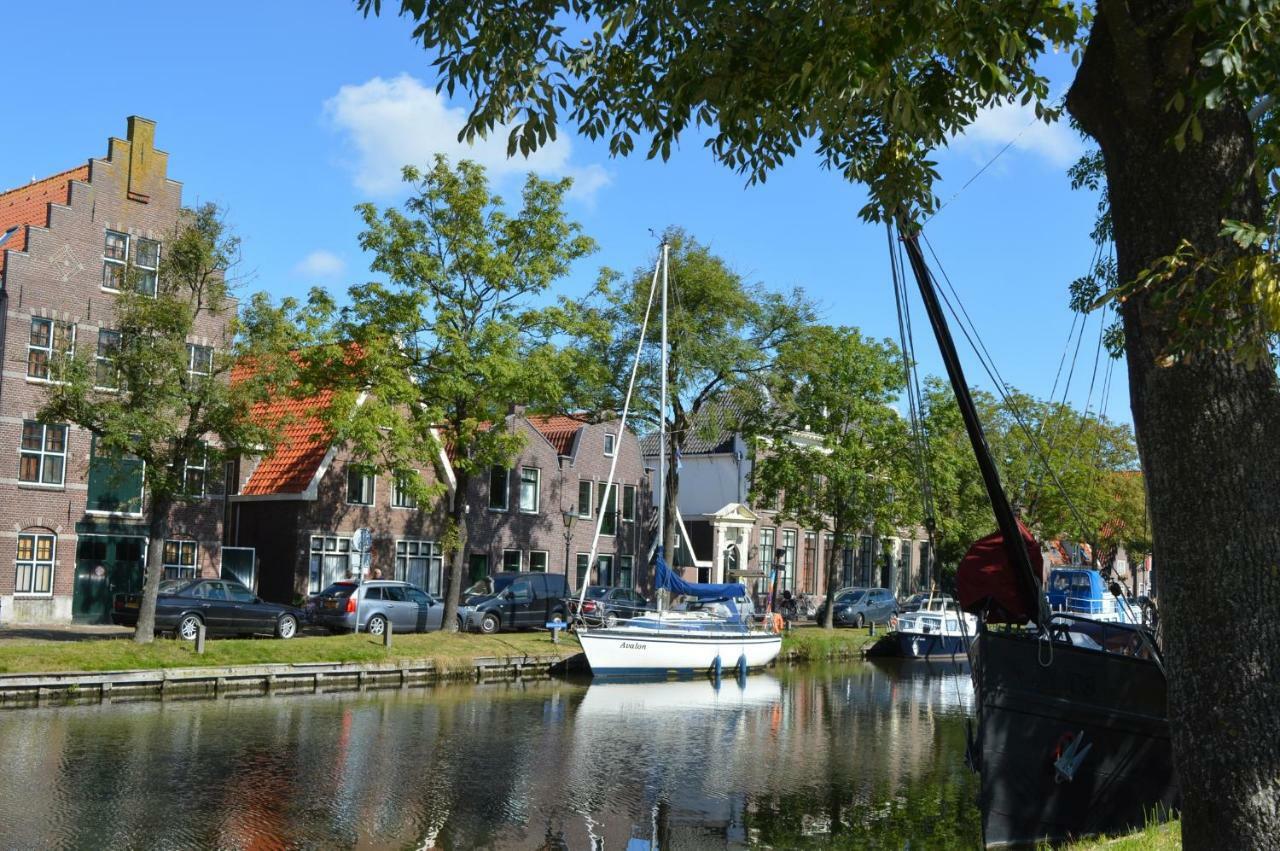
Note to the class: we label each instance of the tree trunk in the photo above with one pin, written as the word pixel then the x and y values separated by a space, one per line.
pixel 145 632
pixel 453 593
pixel 1208 426
pixel 833 579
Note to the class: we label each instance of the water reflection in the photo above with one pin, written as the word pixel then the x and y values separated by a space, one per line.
pixel 861 756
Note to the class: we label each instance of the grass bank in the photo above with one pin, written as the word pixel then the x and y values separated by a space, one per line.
pixel 447 650
pixel 1156 837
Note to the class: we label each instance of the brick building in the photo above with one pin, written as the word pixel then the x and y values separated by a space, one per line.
pixel 541 513
pixel 299 508
pixel 73 524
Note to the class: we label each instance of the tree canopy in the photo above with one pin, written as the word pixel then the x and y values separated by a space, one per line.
pixel 434 356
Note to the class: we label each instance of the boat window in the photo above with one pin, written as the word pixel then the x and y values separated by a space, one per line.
pixel 953 625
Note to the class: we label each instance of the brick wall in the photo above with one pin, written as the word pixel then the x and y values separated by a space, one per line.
pixel 59 275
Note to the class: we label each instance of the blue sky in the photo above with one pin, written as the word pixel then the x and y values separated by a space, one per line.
pixel 289 113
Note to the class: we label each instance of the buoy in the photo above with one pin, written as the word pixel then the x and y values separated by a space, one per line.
pixel 742 665
pixel 716 667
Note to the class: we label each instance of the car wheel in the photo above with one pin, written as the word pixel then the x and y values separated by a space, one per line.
pixel 287 627
pixel 859 621
pixel 189 627
pixel 611 620
pixel 377 625
pixel 489 625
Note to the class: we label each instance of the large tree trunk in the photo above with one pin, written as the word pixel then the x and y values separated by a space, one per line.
pixel 145 632
pixel 1208 426
pixel 458 516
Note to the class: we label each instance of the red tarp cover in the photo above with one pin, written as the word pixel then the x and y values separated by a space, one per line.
pixel 986 581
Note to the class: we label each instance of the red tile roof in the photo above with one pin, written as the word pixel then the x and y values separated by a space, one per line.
pixel 304 441
pixel 557 429
pixel 29 205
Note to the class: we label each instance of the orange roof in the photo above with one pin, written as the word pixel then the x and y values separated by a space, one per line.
pixel 304 441
pixel 557 429
pixel 28 205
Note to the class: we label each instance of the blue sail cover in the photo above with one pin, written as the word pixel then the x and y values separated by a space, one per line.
pixel 665 578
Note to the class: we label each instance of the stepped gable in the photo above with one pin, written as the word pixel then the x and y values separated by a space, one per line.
pixel 28 206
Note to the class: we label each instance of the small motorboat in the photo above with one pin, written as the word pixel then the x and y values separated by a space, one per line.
pixel 1081 591
pixel 938 629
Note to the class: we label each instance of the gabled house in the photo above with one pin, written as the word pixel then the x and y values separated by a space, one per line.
pixel 299 509
pixel 727 536
pixel 541 512
pixel 75 522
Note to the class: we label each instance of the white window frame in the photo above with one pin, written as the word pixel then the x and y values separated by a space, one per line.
pixel 602 505
pixel 401 500
pixel 610 444
pixel 182 568
pixel 153 270
pixel 50 350
pixel 108 360
pixel 43 453
pixel 546 561
pixel 629 489
pixel 537 490
pixel 372 481
pixel 192 371
pixel 584 505
pixel 582 569
pixel 506 488
pixel 108 262
pixel 630 568
pixel 188 467
pixel 330 546
pixel 519 560
pixel 408 549
pixel 34 564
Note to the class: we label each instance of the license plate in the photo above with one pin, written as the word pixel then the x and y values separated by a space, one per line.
pixel 131 604
pixel 331 604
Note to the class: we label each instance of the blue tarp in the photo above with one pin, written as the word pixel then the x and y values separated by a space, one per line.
pixel 664 578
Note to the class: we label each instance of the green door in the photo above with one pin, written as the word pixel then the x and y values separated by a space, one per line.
pixel 106 565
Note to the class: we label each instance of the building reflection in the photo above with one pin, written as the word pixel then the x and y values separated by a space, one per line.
pixel 792 759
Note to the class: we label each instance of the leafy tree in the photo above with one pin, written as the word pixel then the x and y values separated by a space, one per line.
pixel 722 332
pixel 1180 97
pixel 157 400
pixel 434 357
pixel 835 451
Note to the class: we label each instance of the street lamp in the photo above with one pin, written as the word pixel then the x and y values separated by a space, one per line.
pixel 569 516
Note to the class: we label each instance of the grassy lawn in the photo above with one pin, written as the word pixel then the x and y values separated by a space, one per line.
pixel 115 654
pixel 27 655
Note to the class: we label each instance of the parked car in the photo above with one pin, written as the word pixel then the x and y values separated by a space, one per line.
pixel 224 606
pixel 858 606
pixel 350 606
pixel 607 605
pixel 519 601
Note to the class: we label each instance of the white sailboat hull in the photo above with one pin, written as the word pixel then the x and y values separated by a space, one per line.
pixel 630 651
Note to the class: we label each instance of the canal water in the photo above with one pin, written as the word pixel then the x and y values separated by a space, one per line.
pixel 859 756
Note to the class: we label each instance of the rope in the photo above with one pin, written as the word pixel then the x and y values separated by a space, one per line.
pixel 988 365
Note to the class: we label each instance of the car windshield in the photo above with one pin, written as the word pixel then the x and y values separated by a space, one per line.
pixel 595 592
pixel 851 596
pixel 173 586
pixel 339 589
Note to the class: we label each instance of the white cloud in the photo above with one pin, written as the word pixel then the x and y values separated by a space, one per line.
pixel 1015 123
pixel 397 122
pixel 320 264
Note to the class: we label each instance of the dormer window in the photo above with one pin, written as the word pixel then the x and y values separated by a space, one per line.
pixel 610 444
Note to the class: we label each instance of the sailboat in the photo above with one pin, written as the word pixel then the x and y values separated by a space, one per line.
pixel 720 634
pixel 1072 735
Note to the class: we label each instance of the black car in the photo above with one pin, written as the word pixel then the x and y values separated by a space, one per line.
pixel 608 605
pixel 224 606
pixel 518 601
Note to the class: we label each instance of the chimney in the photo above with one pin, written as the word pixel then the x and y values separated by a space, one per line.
pixel 515 409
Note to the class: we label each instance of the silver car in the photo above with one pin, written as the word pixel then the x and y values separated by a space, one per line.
pixel 370 605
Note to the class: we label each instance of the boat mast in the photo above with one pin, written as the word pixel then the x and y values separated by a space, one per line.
pixel 1014 547
pixel 662 431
